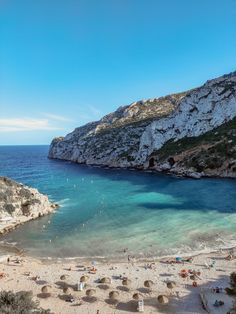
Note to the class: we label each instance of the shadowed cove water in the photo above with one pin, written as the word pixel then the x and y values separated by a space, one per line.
pixel 104 211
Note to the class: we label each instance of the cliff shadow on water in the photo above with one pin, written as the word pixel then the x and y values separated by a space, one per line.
pixel 205 194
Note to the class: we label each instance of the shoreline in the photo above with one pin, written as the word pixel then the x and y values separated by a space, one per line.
pixel 11 247
pixel 180 175
pixel 15 222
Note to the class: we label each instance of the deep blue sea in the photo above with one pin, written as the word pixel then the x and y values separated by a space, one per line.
pixel 104 211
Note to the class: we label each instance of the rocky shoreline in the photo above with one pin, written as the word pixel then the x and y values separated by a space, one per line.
pixel 20 203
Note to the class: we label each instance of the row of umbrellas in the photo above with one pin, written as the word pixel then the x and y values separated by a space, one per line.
pixel 113 295
pixel 127 282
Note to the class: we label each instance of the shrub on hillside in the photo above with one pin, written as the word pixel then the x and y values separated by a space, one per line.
pixel 19 303
pixel 232 289
pixel 232 311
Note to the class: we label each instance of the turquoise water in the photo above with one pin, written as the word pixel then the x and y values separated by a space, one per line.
pixel 104 211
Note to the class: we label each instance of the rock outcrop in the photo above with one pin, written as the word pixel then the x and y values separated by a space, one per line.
pixel 19 203
pixel 133 135
pixel 210 154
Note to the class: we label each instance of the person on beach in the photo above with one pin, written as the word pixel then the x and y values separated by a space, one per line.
pixel 229 257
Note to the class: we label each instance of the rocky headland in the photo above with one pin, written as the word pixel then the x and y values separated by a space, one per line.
pixel 189 134
pixel 20 203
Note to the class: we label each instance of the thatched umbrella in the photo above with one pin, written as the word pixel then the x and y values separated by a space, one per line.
pixel 113 295
pixel 90 292
pixel 137 296
pixel 148 283
pixel 171 284
pixel 106 280
pixel 162 299
pixel 63 277
pixel 84 278
pixel 126 282
pixel 67 290
pixel 46 289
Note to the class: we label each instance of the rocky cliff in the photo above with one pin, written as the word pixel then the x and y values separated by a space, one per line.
pixel 19 203
pixel 139 134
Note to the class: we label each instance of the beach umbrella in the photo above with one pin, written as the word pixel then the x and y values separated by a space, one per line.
pixel 63 277
pixel 113 295
pixel 84 278
pixel 148 283
pixel 46 289
pixel 106 280
pixel 137 296
pixel 67 290
pixel 171 284
pixel 90 292
pixel 162 299
pixel 126 282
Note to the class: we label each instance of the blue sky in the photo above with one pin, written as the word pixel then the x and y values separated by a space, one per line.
pixel 65 63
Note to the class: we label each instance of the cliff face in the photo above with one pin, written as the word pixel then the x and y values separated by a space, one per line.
pixel 133 135
pixel 19 203
pixel 210 154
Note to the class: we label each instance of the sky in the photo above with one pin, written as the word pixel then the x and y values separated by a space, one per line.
pixel 66 63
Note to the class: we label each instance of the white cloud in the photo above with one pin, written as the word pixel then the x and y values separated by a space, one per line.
pixel 26 124
pixel 56 117
pixel 49 121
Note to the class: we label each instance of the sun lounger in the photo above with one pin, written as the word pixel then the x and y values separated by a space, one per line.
pixel 170 261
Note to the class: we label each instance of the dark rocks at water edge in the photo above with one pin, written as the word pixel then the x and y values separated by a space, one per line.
pixel 192 133
pixel 20 203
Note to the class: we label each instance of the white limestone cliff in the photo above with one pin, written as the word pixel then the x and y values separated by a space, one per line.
pixel 128 137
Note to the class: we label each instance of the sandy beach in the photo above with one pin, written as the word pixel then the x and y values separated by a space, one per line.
pixel 27 273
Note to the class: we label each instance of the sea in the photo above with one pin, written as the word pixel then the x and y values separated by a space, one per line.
pixel 109 213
